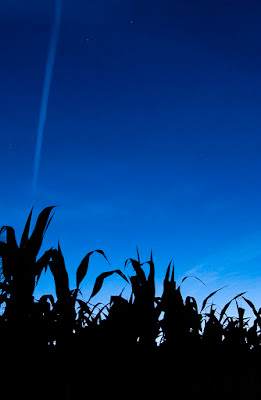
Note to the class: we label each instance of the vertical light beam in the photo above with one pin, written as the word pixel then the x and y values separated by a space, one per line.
pixel 46 90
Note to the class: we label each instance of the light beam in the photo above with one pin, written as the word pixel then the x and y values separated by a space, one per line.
pixel 46 90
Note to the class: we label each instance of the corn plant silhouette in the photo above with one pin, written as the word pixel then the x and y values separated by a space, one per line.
pixel 21 270
pixel 165 338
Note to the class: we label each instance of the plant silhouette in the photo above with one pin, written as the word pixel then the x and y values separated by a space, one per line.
pixel 148 345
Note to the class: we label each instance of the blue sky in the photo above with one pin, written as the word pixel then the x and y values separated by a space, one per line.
pixel 152 136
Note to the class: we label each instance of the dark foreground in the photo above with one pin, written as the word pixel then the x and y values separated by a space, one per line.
pixel 118 371
pixel 141 347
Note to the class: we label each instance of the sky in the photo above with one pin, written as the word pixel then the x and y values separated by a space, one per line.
pixel 151 137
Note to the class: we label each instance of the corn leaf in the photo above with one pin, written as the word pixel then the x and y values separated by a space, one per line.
pixel 251 305
pixel 167 272
pixel 41 264
pixel 103 254
pixel 99 280
pixel 172 275
pixel 138 254
pixel 137 268
pixel 256 313
pixel 57 267
pixel 209 296
pixel 192 276
pixel 166 279
pixel 223 311
pixel 42 223
pixel 83 267
pixel 151 277
pixel 25 234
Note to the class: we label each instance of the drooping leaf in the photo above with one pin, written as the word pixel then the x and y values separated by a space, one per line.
pixel 83 267
pixel 223 311
pixel 192 276
pixel 103 254
pixel 99 280
pixel 25 234
pixel 209 296
pixel 257 314
pixel 251 305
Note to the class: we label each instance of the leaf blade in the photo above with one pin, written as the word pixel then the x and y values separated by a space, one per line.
pixel 192 276
pixel 42 263
pixel 84 264
pixel 25 234
pixel 209 296
pixel 58 269
pixel 82 269
pixel 43 220
pixel 100 278
pixel 251 305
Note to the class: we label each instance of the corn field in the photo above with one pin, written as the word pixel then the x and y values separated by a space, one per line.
pixel 72 348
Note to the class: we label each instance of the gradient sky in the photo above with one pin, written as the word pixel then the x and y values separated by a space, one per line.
pixel 152 136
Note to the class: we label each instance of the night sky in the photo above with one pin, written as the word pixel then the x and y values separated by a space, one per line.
pixel 152 136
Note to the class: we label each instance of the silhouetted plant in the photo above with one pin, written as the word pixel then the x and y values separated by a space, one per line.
pixel 144 315
pixel 144 328
pixel 20 268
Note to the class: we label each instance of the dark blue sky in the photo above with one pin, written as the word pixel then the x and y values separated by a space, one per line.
pixel 152 134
